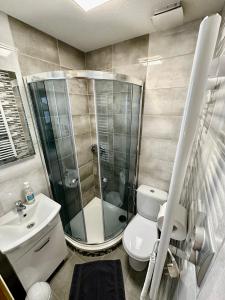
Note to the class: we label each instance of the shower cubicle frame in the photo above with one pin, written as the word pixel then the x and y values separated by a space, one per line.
pixel 85 74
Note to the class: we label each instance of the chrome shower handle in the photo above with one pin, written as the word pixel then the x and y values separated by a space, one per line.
pixel 74 180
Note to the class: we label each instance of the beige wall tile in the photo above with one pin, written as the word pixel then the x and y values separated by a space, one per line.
pixel 13 176
pixel 178 41
pixel 170 61
pixel 129 52
pixel 83 147
pixel 161 127
pixel 165 101
pixel 93 139
pixel 93 124
pixel 88 196
pixel 33 42
pixel 171 72
pixel 91 104
pixel 86 170
pixel 5 30
pixel 100 59
pixel 87 183
pixel 30 65
pixel 159 169
pixel 148 179
pixel 79 104
pixel 95 167
pixel 90 86
pixel 136 70
pixel 70 57
pixel 166 90
pixel 81 124
pixel 77 86
pixel 87 189
pixel 158 148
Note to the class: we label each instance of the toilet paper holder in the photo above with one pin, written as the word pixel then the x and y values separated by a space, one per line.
pixel 199 251
pixel 196 244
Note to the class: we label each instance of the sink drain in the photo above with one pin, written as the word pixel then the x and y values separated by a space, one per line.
pixel 30 225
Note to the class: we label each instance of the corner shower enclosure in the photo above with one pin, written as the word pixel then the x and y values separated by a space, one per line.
pixel 88 124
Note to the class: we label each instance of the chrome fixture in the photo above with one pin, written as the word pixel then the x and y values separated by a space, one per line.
pixel 20 206
pixel 94 149
pixel 87 74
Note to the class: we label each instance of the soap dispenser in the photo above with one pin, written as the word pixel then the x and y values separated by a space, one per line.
pixel 28 193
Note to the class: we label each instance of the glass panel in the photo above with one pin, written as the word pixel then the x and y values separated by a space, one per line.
pixel 52 113
pixel 83 118
pixel 117 141
pixel 134 147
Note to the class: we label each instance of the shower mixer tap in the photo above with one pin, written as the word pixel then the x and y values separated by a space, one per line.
pixel 94 149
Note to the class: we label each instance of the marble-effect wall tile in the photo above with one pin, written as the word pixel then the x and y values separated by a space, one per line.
pixel 12 178
pixel 30 65
pixel 165 101
pixel 168 73
pixel 100 59
pixel 163 149
pixel 130 52
pixel 37 53
pixel 163 60
pixel 33 42
pixel 161 127
pixel 181 41
pixel 70 57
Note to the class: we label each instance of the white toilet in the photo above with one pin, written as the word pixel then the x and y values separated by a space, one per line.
pixel 141 233
pixel 39 291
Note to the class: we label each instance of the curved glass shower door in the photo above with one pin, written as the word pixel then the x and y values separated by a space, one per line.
pixel 52 114
pixel 117 115
pixel 88 124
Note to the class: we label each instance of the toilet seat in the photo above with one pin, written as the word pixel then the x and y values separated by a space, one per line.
pixel 139 238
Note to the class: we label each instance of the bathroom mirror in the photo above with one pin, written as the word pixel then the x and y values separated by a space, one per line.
pixel 15 138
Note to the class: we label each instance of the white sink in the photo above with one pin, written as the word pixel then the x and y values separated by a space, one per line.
pixel 16 230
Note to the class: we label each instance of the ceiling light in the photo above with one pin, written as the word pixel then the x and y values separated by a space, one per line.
pixel 90 4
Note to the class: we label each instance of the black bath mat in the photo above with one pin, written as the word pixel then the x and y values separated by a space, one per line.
pixel 98 280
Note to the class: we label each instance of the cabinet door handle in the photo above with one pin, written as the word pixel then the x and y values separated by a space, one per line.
pixel 42 246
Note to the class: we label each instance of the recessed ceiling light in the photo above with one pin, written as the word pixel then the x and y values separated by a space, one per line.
pixel 90 4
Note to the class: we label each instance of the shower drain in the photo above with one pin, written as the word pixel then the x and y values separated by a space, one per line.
pixel 122 218
pixel 30 225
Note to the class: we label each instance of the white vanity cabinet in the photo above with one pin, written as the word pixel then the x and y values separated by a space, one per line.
pixel 37 259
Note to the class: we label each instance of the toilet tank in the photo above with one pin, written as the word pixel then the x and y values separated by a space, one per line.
pixel 149 200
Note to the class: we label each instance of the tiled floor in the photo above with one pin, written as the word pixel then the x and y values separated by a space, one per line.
pixel 60 282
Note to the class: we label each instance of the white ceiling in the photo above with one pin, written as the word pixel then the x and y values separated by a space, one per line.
pixel 115 21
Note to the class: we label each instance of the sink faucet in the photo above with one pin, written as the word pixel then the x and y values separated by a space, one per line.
pixel 20 206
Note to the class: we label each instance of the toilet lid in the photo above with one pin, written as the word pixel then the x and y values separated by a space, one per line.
pixel 139 238
pixel 39 291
